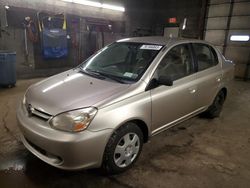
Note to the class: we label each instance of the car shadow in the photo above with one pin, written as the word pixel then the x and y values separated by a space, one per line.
pixel 40 173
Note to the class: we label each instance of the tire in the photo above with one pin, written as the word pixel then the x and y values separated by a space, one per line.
pixel 215 109
pixel 122 149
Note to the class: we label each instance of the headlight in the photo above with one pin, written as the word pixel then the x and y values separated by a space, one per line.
pixel 74 121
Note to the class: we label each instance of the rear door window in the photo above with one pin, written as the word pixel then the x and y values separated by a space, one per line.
pixel 177 63
pixel 205 55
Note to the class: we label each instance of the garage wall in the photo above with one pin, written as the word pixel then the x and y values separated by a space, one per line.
pixel 139 17
pixel 226 18
pixel 58 6
pixel 192 10
pixel 142 17
pixel 34 64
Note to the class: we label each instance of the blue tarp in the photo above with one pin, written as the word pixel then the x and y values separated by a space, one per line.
pixel 54 43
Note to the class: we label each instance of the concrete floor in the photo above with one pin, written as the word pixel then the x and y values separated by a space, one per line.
pixel 197 153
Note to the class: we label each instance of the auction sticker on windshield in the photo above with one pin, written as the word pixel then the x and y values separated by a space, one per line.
pixel 150 47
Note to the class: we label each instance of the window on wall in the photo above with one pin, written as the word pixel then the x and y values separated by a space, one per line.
pixel 177 63
pixel 206 56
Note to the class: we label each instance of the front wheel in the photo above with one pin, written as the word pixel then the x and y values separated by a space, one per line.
pixel 123 149
pixel 215 109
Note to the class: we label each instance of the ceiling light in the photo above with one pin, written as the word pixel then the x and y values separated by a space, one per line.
pixel 112 7
pixel 97 4
pixel 88 3
pixel 239 38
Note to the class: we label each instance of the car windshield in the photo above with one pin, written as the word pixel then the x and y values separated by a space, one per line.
pixel 120 61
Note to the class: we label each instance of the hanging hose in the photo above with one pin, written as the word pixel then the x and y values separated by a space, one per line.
pixel 26 44
pixel 31 30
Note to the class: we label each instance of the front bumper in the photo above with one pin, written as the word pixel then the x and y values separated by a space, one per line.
pixel 70 151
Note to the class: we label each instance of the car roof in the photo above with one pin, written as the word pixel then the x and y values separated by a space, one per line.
pixel 160 40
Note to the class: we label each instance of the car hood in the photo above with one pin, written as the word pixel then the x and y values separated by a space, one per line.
pixel 71 90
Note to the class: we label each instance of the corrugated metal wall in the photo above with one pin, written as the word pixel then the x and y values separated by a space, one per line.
pixel 226 18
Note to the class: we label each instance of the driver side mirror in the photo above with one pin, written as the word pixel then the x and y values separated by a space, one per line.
pixel 162 80
pixel 165 80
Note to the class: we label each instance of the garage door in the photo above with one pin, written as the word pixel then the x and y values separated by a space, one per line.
pixel 228 27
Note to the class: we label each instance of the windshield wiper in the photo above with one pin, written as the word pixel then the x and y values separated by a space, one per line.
pixel 107 76
pixel 92 74
pixel 113 78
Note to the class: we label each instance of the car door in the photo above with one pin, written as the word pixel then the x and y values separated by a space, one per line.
pixel 170 104
pixel 209 74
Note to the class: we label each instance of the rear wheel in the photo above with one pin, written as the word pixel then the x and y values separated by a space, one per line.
pixel 123 149
pixel 215 109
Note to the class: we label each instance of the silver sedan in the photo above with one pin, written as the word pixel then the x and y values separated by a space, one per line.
pixel 100 113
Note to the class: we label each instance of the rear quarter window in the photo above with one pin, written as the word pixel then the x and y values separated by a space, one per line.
pixel 206 56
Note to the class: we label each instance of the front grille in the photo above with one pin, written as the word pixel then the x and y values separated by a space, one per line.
pixel 40 114
pixel 37 113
